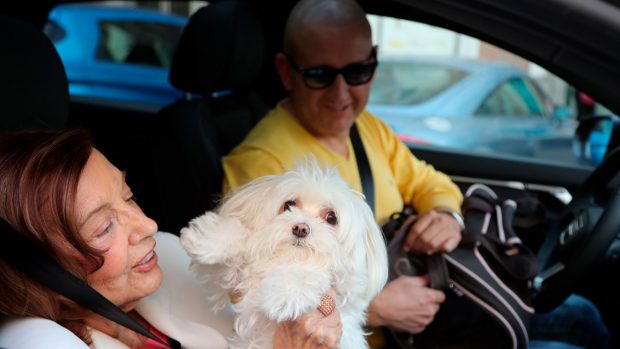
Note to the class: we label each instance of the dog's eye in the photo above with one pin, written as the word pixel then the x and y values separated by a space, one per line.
pixel 288 204
pixel 331 218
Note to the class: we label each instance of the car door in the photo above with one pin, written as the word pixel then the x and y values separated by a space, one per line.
pixel 571 39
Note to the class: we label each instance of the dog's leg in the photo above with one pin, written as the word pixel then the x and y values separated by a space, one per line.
pixel 215 244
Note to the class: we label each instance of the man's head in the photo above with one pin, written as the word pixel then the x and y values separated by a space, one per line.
pixel 335 36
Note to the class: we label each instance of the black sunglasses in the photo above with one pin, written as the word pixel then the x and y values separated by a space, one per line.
pixel 323 76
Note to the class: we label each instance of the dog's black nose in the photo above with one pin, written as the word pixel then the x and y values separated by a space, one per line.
pixel 301 230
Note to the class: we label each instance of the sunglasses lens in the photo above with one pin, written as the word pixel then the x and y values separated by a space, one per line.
pixel 319 77
pixel 359 74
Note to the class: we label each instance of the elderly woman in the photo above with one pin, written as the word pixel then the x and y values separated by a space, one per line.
pixel 58 191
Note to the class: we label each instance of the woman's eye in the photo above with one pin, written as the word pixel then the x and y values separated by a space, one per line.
pixel 288 204
pixel 132 198
pixel 105 230
pixel 331 218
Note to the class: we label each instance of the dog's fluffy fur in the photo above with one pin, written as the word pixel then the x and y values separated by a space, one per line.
pixel 249 247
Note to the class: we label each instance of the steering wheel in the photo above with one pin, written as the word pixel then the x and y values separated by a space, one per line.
pixel 580 240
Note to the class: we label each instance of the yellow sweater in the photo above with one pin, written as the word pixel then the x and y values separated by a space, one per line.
pixel 278 141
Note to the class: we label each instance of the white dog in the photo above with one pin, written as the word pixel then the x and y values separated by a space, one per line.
pixel 281 242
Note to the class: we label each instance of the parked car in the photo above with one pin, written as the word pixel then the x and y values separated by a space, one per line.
pixel 116 54
pixel 477 105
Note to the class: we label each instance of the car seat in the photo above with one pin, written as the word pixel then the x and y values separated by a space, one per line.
pixel 34 92
pixel 217 61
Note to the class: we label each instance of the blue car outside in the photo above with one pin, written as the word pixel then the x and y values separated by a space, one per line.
pixel 474 105
pixel 115 53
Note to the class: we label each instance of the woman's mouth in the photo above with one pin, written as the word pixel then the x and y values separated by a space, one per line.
pixel 147 263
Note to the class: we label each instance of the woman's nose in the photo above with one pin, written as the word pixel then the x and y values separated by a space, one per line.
pixel 141 226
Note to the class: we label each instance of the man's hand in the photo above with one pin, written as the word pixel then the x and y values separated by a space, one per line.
pixel 433 232
pixel 406 304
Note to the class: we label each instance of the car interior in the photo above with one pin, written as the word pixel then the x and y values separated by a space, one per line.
pixel 224 64
pixel 218 58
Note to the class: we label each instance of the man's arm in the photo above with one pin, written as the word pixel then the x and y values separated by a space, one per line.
pixel 418 182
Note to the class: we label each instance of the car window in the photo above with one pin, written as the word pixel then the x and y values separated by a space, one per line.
pixel 135 42
pixel 409 83
pixel 119 52
pixel 516 97
pixel 442 88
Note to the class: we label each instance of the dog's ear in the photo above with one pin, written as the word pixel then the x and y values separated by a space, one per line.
pixel 252 202
pixel 373 244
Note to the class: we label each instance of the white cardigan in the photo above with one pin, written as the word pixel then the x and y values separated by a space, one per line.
pixel 179 309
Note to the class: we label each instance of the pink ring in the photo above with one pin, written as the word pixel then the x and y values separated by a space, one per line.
pixel 327 305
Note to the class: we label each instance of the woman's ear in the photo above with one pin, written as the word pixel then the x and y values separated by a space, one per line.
pixel 283 68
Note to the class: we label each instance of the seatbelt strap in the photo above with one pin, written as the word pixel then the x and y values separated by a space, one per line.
pixel 363 166
pixel 32 260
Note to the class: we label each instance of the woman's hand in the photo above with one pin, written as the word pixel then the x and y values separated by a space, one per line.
pixel 312 330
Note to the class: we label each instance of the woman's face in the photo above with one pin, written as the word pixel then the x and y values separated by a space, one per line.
pixel 111 221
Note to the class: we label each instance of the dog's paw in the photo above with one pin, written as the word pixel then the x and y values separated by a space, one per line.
pixel 212 238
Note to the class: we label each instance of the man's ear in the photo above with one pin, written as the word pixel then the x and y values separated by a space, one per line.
pixel 376 48
pixel 284 70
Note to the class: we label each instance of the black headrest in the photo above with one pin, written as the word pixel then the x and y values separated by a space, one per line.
pixel 33 86
pixel 221 48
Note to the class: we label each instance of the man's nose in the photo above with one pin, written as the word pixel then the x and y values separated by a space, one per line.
pixel 339 87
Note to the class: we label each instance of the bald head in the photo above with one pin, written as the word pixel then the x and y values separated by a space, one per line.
pixel 317 14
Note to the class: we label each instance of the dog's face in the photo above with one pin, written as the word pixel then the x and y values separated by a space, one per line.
pixel 309 215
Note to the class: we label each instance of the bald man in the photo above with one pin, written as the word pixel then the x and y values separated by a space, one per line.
pixel 327 67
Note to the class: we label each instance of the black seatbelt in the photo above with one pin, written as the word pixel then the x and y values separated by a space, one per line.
pixel 363 166
pixel 20 252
